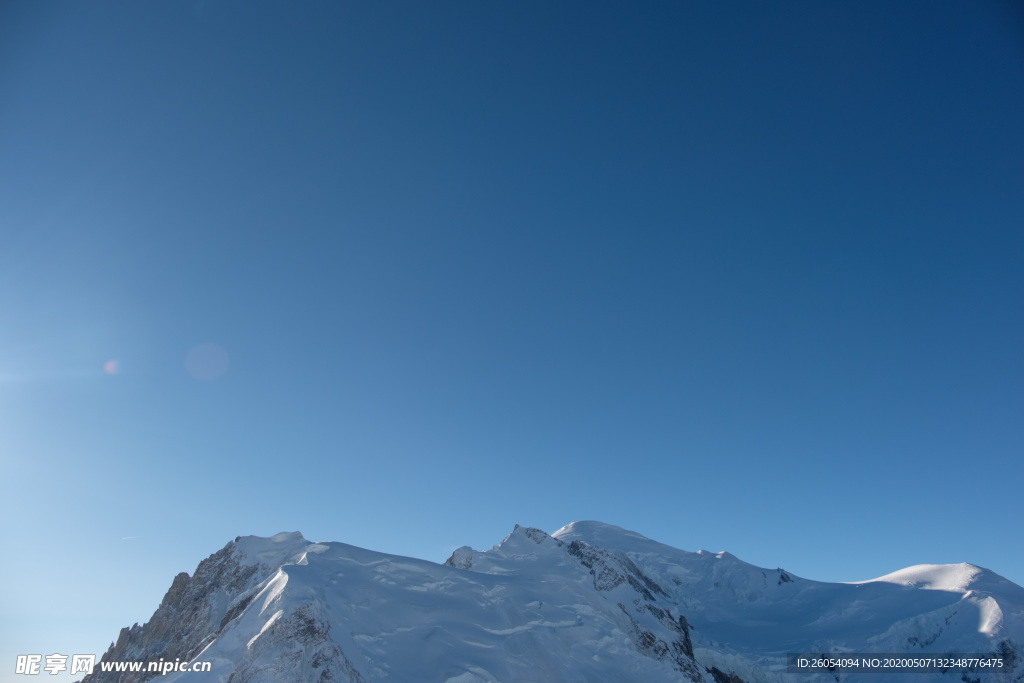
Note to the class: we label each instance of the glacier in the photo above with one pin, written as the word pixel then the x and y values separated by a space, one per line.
pixel 589 602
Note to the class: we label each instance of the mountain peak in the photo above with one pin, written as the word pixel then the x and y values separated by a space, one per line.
pixel 955 578
pixel 592 601
pixel 598 533
pixel 283 548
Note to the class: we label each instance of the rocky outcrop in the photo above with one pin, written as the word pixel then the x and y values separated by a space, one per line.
pixel 610 570
pixel 297 644
pixel 192 614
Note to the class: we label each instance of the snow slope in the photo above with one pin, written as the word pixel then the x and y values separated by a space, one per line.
pixel 591 602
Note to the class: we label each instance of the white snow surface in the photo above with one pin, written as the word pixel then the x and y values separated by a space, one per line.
pixel 937 577
pixel 590 602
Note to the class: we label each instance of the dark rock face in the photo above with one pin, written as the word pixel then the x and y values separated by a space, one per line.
pixel 677 650
pixel 537 536
pixel 462 558
pixel 308 649
pixel 722 677
pixel 655 631
pixel 189 616
pixel 610 571
pixel 1009 653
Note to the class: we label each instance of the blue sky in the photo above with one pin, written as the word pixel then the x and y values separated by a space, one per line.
pixel 737 276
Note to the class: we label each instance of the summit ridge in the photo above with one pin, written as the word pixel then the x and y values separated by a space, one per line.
pixel 589 602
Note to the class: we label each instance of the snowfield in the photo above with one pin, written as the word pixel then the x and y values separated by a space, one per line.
pixel 590 602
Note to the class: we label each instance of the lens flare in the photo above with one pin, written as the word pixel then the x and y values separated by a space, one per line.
pixel 206 362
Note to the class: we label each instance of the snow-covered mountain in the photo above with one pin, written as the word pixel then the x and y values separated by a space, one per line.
pixel 591 602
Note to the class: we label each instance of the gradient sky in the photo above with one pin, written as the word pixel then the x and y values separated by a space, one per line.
pixel 737 276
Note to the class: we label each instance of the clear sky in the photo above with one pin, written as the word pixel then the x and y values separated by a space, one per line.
pixel 738 276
